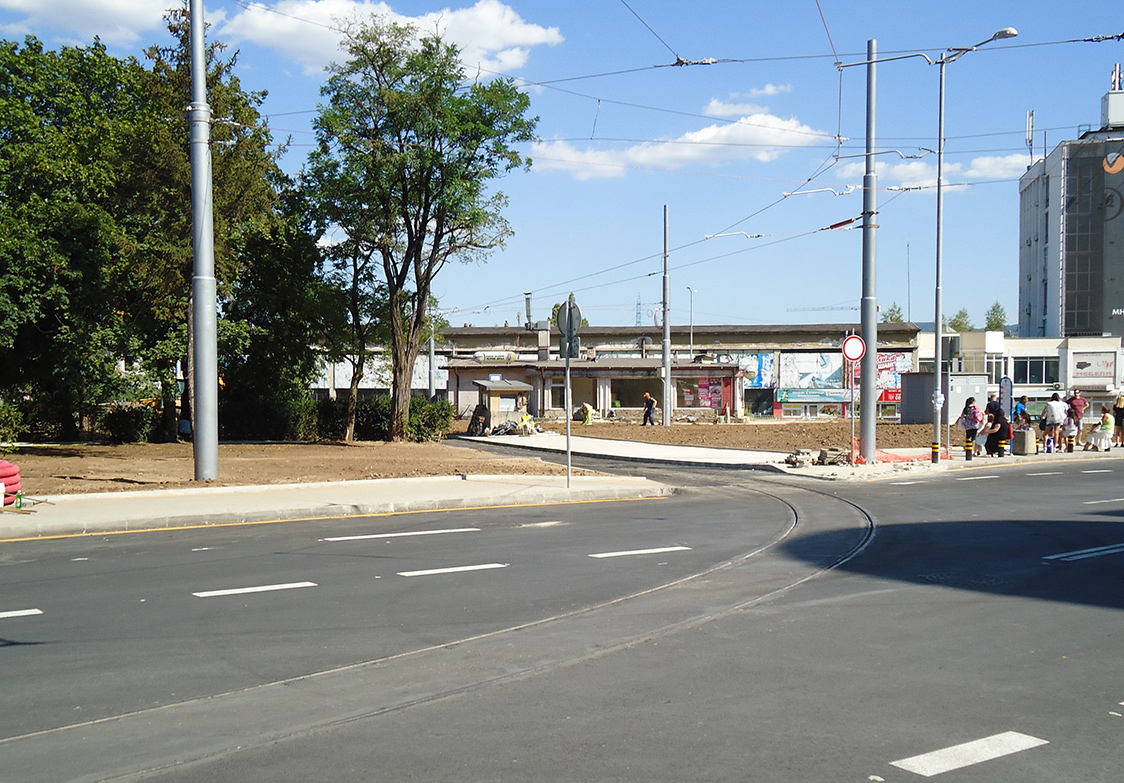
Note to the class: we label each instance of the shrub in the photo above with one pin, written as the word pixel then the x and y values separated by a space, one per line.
pixel 12 426
pixel 128 423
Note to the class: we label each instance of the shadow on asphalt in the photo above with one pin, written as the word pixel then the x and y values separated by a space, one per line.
pixel 1080 562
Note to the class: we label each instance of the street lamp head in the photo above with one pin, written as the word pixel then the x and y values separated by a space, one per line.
pixel 1006 32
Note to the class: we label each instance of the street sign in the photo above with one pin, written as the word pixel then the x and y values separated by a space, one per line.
pixel 853 348
pixel 569 320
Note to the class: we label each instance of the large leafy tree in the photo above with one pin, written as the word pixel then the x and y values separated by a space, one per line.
pixel 272 320
pixel 65 132
pixel 407 151
pixel 156 268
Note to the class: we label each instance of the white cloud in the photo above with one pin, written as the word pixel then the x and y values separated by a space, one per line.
pixel 1006 167
pixel 923 173
pixel 760 137
pixel 116 22
pixel 769 90
pixel 718 108
pixel 490 33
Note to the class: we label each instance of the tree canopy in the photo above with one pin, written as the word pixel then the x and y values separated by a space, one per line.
pixel 95 224
pixel 995 319
pixel 407 149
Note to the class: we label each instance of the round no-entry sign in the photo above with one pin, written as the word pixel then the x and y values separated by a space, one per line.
pixel 853 348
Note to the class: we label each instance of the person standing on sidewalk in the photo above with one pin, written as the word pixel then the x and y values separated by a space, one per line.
pixel 649 410
pixel 1078 404
pixel 1052 418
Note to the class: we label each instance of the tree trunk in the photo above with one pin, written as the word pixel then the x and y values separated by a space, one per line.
pixel 353 398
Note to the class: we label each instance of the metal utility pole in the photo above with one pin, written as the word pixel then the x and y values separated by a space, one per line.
pixel 204 382
pixel 668 390
pixel 868 392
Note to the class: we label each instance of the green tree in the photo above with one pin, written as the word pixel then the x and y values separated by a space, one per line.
pixel 156 265
pixel 407 149
pixel 64 136
pixel 995 319
pixel 961 322
pixel 272 321
pixel 893 314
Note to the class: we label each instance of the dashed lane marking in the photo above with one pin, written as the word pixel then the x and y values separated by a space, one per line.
pixel 1085 554
pixel 258 589
pixel 1047 473
pixel 404 535
pixel 656 551
pixel 454 570
pixel 20 613
pixel 976 478
pixel 1103 470
pixel 976 752
pixel 1098 502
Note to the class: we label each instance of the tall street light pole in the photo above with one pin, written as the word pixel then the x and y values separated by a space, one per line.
pixel 869 307
pixel 868 393
pixel 692 322
pixel 951 55
pixel 204 382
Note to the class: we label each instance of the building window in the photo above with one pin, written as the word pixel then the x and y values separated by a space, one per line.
pixel 1036 370
pixel 996 367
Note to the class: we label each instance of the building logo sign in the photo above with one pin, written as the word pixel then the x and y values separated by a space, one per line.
pixel 1113 163
pixel 1095 365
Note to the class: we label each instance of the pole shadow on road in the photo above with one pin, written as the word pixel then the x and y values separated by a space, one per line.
pixel 1075 561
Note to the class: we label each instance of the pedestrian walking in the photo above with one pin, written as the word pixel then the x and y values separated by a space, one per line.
pixel 649 410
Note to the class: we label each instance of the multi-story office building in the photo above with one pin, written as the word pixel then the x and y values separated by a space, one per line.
pixel 1071 232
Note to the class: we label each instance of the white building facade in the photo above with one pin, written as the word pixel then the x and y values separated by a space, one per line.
pixel 1071 232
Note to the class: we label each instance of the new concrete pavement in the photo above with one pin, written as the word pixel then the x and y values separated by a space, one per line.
pixel 120 511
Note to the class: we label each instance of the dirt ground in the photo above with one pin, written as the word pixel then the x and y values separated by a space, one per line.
pixel 53 469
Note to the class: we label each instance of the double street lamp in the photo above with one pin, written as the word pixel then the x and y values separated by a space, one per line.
pixel 949 56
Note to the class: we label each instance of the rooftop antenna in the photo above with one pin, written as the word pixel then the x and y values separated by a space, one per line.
pixel 1030 133
pixel 639 309
pixel 1116 81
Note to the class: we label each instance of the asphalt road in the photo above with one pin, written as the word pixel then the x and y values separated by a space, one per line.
pixel 750 628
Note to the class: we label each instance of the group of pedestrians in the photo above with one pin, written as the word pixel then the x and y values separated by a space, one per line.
pixel 1060 423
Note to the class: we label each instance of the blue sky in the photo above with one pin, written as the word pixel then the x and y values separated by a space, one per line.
pixel 623 133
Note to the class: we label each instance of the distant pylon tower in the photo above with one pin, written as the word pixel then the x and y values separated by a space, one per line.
pixel 639 309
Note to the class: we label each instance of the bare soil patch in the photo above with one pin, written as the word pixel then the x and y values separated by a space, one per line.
pixel 58 469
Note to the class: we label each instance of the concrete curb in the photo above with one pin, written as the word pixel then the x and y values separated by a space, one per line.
pixel 120 512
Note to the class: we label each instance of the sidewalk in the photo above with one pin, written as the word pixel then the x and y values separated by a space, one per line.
pixel 129 511
pixel 891 461
pixel 122 511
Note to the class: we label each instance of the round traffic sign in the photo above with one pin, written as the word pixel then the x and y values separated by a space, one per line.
pixel 853 348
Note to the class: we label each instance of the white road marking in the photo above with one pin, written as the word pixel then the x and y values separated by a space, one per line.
pixel 903 483
pixel 1050 473
pixel 1105 470
pixel 454 570
pixel 657 551
pixel 976 478
pixel 959 756
pixel 258 589
pixel 1098 502
pixel 20 613
pixel 79 559
pixel 1084 554
pixel 403 535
